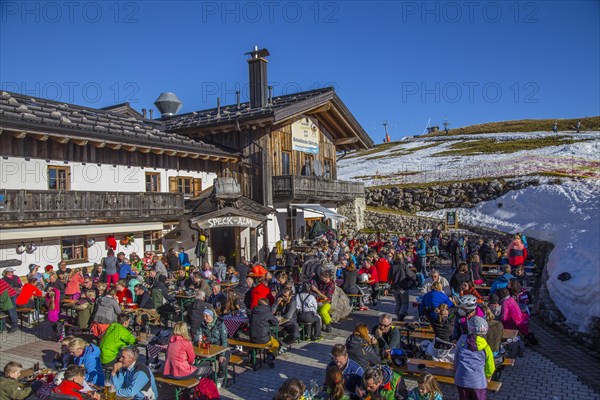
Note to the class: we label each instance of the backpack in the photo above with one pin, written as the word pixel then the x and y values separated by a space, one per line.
pixel 206 390
pixel 162 336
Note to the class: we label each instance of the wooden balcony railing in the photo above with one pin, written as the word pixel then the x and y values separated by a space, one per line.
pixel 49 207
pixel 292 187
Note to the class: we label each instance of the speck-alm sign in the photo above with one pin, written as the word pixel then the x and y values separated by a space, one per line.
pixel 305 136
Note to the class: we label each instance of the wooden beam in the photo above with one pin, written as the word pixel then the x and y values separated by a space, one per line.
pixel 20 135
pixel 60 139
pixel 79 142
pixel 170 152
pixel 342 141
pixel 194 155
pixel 323 108
pixel 144 149
pixel 158 151
pixel 41 137
pixel 214 158
pixel 130 148
pixel 204 157
pixel 182 153
pixel 114 146
pixel 99 145
pixel 232 160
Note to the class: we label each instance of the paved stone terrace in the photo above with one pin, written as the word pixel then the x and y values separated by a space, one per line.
pixel 555 370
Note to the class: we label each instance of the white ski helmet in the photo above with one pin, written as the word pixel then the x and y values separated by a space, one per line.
pixel 363 278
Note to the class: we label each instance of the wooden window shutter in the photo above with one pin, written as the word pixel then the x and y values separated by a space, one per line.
pixel 197 186
pixel 173 184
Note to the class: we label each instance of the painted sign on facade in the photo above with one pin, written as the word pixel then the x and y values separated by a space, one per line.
pixel 223 222
pixel 305 136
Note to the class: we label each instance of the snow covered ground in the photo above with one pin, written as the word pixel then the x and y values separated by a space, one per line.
pixel 567 215
pixel 394 166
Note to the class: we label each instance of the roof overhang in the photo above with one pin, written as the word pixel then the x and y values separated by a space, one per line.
pixel 319 209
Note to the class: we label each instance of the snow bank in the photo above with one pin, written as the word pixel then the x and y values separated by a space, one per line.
pixel 566 215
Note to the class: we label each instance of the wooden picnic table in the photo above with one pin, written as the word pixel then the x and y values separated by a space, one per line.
pixel 425 333
pixel 228 285
pixel 210 355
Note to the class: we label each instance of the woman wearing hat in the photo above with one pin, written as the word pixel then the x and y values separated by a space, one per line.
pixel 36 275
pixel 13 280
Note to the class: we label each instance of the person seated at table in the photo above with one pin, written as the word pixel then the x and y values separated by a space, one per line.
pixel 350 279
pixel 220 269
pixel 351 371
pixel 232 275
pixel 520 294
pixel 474 361
pixel 333 387
pixel 261 291
pixel 10 386
pixel 74 282
pixel 387 335
pixel 143 298
pixel 8 276
pixel 124 295
pixel 467 288
pixel 107 308
pixel 494 305
pixel 362 347
pixel 495 331
pixel 116 337
pixel 512 317
pixel 195 313
pixel 217 298
pixel 382 381
pixel 323 287
pixel 180 356
pixel 285 305
pixel 487 253
pixel 427 389
pixel 85 307
pixel 443 325
pixel 462 274
pixel 27 294
pixel 436 277
pixel 432 300
pixel 213 330
pixel 195 281
pixel 163 301
pixel 232 305
pixel 72 386
pixel 63 272
pixel 34 272
pixel 88 356
pixel 57 284
pixel 132 378
pixel 306 307
pixel 502 281
pixel 98 273
pixel 46 275
pixel 369 269
pixel 260 322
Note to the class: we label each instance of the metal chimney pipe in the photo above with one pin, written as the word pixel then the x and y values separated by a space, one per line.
pixel 144 113
pixel 151 111
pixel 237 98
pixel 218 106
pixel 270 94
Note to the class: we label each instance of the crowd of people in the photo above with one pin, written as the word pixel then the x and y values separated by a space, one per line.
pixel 116 300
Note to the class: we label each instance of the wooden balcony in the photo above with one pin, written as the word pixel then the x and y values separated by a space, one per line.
pixel 49 207
pixel 309 188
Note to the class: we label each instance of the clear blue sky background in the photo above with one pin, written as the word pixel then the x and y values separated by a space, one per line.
pixel 404 62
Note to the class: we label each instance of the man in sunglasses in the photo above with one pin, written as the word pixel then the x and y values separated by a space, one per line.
pixel 387 335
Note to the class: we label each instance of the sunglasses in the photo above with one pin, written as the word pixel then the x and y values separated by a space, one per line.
pixel 385 326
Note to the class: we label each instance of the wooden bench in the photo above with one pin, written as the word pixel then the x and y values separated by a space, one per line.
pixel 25 312
pixel 180 384
pixel 253 348
pixel 234 361
pixel 354 299
pixel 442 371
pixel 508 362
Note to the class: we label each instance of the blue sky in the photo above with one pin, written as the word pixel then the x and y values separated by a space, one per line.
pixel 404 62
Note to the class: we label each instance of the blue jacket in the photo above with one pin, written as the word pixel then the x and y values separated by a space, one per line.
pixel 137 382
pixel 421 247
pixel 184 260
pixel 90 359
pixel 124 270
pixel 430 302
pixel 352 375
pixel 501 282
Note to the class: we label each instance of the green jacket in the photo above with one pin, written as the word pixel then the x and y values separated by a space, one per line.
pixel 11 389
pixel 115 338
pixel 216 334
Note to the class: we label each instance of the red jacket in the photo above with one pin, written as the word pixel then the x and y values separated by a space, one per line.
pixel 179 358
pixel 383 268
pixel 260 291
pixel 27 293
pixel 517 253
pixel 70 388
pixel 124 295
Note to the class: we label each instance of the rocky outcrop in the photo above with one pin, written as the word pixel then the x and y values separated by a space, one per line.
pixel 435 197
